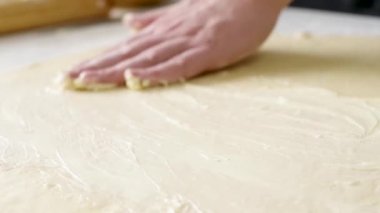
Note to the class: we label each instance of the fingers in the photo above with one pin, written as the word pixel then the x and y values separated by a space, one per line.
pixel 106 77
pixel 155 55
pixel 163 60
pixel 147 38
pixel 185 65
pixel 115 56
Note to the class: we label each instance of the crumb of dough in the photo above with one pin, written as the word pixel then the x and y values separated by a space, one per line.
pixel 80 85
pixel 65 81
pixel 135 83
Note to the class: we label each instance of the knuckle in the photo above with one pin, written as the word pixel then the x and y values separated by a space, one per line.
pixel 218 24
pixel 208 43
pixel 151 55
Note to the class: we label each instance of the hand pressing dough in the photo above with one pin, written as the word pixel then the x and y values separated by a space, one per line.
pixel 293 130
pixel 346 65
pixel 131 82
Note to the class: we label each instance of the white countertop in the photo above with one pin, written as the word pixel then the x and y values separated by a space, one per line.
pixel 26 48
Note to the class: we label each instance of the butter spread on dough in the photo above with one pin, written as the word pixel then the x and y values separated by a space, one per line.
pixel 249 140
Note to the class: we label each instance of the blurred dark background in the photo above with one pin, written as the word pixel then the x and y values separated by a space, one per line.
pixel 368 7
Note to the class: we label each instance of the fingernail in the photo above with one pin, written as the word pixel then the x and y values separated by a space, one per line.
pixel 82 77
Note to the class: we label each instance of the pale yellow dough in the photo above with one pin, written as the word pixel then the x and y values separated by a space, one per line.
pixel 131 82
pixel 79 84
pixel 293 130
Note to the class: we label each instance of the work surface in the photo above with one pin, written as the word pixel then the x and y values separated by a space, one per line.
pixel 293 130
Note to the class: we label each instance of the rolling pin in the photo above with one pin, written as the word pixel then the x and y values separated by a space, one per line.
pixel 17 15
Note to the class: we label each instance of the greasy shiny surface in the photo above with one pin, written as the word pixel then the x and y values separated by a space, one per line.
pixel 295 129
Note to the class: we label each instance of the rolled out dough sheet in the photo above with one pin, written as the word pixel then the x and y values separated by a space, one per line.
pixel 293 130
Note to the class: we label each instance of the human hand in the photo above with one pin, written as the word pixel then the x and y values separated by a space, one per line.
pixel 180 42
